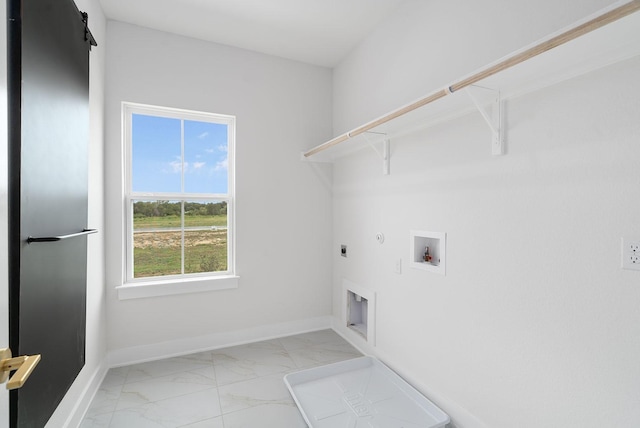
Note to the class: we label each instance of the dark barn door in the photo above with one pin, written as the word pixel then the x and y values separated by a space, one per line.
pixel 48 83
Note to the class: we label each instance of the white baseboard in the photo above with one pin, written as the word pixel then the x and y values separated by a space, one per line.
pixel 190 345
pixel 74 405
pixel 460 417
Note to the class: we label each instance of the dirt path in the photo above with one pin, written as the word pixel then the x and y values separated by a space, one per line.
pixel 173 239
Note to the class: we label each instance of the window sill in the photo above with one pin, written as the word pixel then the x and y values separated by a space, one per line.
pixel 137 290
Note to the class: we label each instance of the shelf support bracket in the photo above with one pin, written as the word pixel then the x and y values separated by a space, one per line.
pixel 385 154
pixel 386 157
pixel 493 119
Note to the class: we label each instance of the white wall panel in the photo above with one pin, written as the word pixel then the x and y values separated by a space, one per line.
pixel 426 45
pixel 283 214
pixel 535 323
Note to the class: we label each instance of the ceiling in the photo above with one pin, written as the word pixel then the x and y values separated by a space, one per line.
pixel 320 32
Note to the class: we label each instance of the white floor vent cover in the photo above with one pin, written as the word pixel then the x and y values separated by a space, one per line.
pixel 361 393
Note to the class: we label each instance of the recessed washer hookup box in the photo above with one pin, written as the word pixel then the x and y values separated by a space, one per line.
pixel 361 393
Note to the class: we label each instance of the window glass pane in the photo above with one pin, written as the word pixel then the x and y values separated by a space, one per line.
pixel 157 238
pixel 205 155
pixel 205 236
pixel 182 231
pixel 156 154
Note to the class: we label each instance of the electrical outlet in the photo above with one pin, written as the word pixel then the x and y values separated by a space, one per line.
pixel 343 250
pixel 630 254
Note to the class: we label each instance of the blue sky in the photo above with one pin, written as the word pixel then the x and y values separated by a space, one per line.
pixel 156 161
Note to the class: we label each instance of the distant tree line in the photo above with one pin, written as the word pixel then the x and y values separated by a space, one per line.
pixel 166 208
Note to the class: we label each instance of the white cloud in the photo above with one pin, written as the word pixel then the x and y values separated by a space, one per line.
pixel 222 165
pixel 176 166
pixel 221 148
pixel 203 135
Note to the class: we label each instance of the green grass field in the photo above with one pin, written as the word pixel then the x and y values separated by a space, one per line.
pixel 159 253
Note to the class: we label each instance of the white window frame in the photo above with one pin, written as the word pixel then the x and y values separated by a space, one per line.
pixel 180 283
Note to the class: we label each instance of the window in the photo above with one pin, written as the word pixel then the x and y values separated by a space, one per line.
pixel 179 194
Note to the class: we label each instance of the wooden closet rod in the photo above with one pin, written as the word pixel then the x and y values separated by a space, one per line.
pixel 567 36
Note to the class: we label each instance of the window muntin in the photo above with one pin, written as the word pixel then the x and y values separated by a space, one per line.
pixel 179 193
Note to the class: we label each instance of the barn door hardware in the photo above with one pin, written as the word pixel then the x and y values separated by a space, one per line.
pixel 88 37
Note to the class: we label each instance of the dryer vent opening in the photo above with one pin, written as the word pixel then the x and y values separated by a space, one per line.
pixel 357 313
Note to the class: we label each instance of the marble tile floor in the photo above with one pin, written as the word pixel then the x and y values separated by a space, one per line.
pixel 236 387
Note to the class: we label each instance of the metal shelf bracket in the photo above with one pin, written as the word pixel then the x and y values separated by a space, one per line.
pixel 494 118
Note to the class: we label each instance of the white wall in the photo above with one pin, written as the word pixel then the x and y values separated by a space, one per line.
pixel 283 208
pixel 425 45
pixel 72 407
pixel 535 324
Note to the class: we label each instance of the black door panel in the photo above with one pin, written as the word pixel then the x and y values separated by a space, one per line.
pixel 48 59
